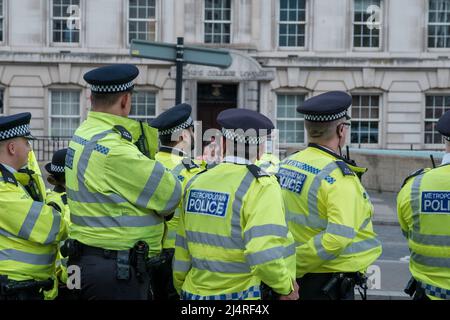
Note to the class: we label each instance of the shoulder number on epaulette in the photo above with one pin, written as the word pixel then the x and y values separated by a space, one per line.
pixel 346 171
pixel 125 134
pixel 8 177
pixel 412 175
pixel 257 171
pixel 189 164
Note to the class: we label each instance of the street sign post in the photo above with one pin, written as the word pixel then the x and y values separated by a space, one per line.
pixel 180 54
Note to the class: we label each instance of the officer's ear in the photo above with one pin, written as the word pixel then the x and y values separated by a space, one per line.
pixel 340 130
pixel 11 147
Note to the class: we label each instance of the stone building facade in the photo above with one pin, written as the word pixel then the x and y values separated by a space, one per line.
pixel 391 55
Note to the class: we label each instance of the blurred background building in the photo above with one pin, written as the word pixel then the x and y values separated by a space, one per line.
pixel 392 56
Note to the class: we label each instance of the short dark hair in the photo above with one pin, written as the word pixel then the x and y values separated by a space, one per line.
pixel 106 99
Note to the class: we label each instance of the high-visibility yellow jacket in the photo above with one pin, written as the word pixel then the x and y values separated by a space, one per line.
pixel 60 262
pixel 184 169
pixel 329 213
pixel 232 235
pixel 30 228
pixel 423 208
pixel 268 162
pixel 117 195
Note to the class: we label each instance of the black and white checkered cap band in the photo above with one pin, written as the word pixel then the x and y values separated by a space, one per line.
pixel 232 135
pixel 19 131
pixel 112 88
pixel 56 168
pixel 325 118
pixel 179 127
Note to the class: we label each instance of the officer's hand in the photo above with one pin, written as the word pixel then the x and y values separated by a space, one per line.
pixel 294 294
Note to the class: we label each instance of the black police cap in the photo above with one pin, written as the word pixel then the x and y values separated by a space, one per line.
pixel 173 120
pixel 58 163
pixel 244 119
pixel 112 79
pixel 326 107
pixel 443 125
pixel 17 125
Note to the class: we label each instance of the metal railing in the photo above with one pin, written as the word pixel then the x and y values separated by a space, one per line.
pixel 45 146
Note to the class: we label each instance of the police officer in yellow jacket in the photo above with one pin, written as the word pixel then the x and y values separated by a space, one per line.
pixel 30 226
pixel 423 207
pixel 328 210
pixel 232 233
pixel 56 177
pixel 118 194
pixel 175 127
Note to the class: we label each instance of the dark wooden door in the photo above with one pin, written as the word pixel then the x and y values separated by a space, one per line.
pixel 213 98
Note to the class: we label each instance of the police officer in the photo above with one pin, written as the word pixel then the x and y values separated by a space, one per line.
pixel 423 207
pixel 30 226
pixel 56 177
pixel 232 233
pixel 118 196
pixel 328 210
pixel 269 161
pixel 176 135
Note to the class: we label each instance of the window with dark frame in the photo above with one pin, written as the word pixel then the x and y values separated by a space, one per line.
pixel 143 105
pixel 2 110
pixel 439 24
pixel 142 20
pixel 65 115
pixel 290 123
pixel 217 21
pixel 365 123
pixel 66 21
pixel 292 24
pixel 2 19
pixel 435 107
pixel 366 29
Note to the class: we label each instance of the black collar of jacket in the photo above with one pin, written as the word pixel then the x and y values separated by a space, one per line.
pixel 317 146
pixel 8 176
pixel 171 150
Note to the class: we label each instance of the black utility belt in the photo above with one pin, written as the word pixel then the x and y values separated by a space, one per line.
pixel 135 257
pixel 95 251
pixel 8 287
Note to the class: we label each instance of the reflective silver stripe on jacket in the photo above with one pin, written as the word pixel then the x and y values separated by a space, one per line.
pixel 83 194
pixel 151 185
pixel 220 266
pixel 181 266
pixel 214 240
pixel 236 229
pixel 310 221
pixel 30 220
pixel 313 193
pixel 116 222
pixel 181 242
pixel 341 230
pixel 25 257
pixel 431 261
pixel 54 231
pixel 415 201
pixel 265 230
pixel 429 239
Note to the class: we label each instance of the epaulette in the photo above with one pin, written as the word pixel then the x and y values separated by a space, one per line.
pixel 346 171
pixel 412 175
pixel 257 171
pixel 189 164
pixel 8 177
pixel 64 199
pixel 125 134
